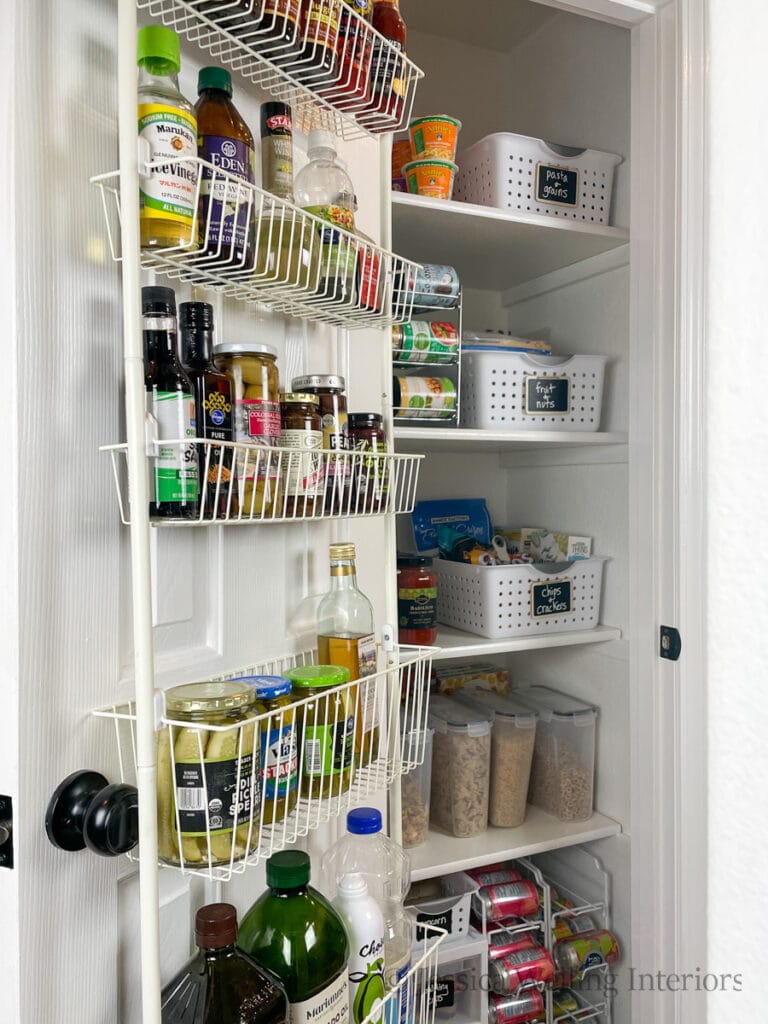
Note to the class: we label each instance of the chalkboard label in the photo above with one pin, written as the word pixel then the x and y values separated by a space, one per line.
pixel 545 395
pixel 443 919
pixel 557 185
pixel 550 598
pixel 442 994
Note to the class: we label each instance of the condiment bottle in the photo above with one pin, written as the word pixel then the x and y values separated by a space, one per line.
pixel 416 600
pixel 220 985
pixel 365 927
pixel 213 408
pixel 387 68
pixel 294 932
pixel 345 637
pixel 326 729
pixel 370 479
pixel 225 141
pixel 277 150
pixel 316 62
pixel 325 189
pixel 351 90
pixel 174 481
pixel 268 26
pixel 168 132
pixel 301 430
pixel 333 411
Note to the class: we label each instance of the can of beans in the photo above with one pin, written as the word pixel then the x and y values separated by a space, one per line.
pixel 494 876
pixel 515 1009
pixel 565 927
pixel 509 972
pixel 563 1003
pixel 433 397
pixel 577 954
pixel 502 941
pixel 421 341
pixel 433 286
pixel 513 899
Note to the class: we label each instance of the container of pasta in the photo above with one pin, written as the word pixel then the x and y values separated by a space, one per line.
pixel 208 774
pixel 461 762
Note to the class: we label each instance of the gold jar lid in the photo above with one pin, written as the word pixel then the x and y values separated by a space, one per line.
pixel 299 397
pixel 213 695
pixel 342 551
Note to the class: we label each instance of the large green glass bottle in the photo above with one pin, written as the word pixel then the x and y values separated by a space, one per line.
pixel 295 933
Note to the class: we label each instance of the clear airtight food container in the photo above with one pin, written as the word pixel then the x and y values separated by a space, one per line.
pixel 563 769
pixel 512 743
pixel 415 788
pixel 461 761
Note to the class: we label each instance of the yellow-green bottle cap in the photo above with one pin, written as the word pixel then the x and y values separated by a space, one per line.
pixel 160 43
pixel 318 675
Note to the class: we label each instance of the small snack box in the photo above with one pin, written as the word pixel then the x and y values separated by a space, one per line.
pixel 563 768
pixel 512 743
pixel 461 761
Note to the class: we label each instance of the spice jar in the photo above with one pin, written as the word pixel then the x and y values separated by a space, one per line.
pixel 279 749
pixel 205 752
pixel 370 479
pixel 302 470
pixel 326 726
pixel 252 368
pixel 416 600
pixel 333 412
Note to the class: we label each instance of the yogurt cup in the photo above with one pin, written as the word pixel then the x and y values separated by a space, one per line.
pixel 431 177
pixel 434 136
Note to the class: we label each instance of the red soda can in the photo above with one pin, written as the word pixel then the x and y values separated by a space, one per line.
pixel 508 973
pixel 517 1009
pixel 510 899
pixel 494 876
pixel 502 941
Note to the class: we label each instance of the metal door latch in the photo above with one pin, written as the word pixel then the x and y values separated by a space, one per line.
pixel 6 832
pixel 669 643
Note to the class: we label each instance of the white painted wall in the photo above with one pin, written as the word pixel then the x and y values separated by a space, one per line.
pixel 737 489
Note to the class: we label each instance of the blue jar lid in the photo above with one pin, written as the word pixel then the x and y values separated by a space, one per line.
pixel 364 821
pixel 267 686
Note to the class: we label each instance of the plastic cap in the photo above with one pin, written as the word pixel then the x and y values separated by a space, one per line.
pixel 196 315
pixel 288 869
pixel 216 926
pixel 320 139
pixel 364 821
pixel 155 299
pixel 361 420
pixel 214 78
pixel 318 675
pixel 267 686
pixel 159 42
pixel 406 559
pixel 353 884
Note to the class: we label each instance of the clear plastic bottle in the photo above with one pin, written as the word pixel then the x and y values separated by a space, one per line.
pixel 325 189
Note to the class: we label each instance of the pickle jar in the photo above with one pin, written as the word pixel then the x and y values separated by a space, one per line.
pixel 208 774
pixel 326 725
pixel 252 369
pixel 279 747
pixel 333 411
pixel 302 468
pixel 370 477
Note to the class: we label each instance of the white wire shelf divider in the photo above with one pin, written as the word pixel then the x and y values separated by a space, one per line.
pixel 412 999
pixel 252 246
pixel 293 768
pixel 241 483
pixel 337 73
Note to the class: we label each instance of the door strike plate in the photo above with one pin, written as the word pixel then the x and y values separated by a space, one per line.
pixel 669 643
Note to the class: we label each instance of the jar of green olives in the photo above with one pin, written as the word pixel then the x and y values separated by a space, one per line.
pixel 326 729
pixel 208 774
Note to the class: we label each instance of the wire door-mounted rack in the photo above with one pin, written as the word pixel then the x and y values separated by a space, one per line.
pixel 286 262
pixel 374 730
pixel 341 75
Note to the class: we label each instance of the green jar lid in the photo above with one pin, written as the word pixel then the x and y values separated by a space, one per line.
pixel 215 695
pixel 156 42
pixel 214 78
pixel 318 675
pixel 288 869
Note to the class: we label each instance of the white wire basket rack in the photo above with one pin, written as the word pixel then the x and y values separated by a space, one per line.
pixel 249 245
pixel 241 484
pixel 337 73
pixel 233 793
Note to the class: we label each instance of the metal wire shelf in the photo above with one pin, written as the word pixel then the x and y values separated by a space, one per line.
pixel 252 246
pixel 341 76
pixel 293 768
pixel 241 484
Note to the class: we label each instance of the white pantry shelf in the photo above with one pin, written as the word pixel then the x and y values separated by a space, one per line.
pixel 445 439
pixel 442 854
pixel 455 643
pixel 494 249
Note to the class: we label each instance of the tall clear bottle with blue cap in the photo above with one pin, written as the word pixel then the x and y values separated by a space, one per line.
pixel 366 850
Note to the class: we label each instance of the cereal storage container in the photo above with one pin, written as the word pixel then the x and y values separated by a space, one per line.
pixel 512 742
pixel 461 761
pixel 563 769
pixel 415 790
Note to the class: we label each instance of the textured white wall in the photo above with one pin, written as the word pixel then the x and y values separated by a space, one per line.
pixel 737 486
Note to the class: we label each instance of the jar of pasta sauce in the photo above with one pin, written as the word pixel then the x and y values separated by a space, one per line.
pixel 416 600
pixel 302 470
pixel 329 389
pixel 370 480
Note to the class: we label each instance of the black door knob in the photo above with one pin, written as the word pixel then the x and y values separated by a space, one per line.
pixel 87 812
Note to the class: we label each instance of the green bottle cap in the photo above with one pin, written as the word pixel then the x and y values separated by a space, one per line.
pixel 214 78
pixel 159 43
pixel 288 869
pixel 318 675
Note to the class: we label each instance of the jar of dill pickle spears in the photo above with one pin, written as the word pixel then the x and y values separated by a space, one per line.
pixel 208 774
pixel 326 729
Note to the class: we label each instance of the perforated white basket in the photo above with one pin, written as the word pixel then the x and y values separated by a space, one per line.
pixel 517 172
pixel 517 391
pixel 517 600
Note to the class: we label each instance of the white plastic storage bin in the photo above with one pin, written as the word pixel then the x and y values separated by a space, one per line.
pixel 517 600
pixel 443 903
pixel 517 172
pixel 517 391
